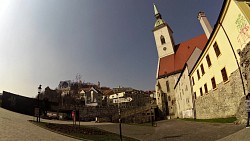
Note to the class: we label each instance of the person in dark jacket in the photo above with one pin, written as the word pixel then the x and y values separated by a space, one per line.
pixel 248 109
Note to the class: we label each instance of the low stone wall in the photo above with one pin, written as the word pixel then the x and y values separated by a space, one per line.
pixel 18 103
pixel 222 102
pixel 109 114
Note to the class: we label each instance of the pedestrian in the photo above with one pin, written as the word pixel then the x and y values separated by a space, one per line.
pixel 73 116
pixel 248 109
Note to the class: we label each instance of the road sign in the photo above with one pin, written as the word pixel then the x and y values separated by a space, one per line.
pixel 121 100
pixel 36 112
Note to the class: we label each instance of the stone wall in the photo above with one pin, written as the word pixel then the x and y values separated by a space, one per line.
pixel 168 98
pixel 223 101
pixel 18 103
pixel 241 114
pixel 245 65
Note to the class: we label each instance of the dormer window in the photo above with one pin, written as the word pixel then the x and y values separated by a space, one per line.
pixel 162 40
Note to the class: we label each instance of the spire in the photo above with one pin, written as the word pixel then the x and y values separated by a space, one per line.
pixel 157 14
pixel 155 9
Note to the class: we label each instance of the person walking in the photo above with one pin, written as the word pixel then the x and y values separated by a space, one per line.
pixel 248 109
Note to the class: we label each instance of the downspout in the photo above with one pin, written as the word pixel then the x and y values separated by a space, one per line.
pixel 237 61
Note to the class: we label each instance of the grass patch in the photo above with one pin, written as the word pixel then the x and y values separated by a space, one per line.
pixel 83 132
pixel 214 120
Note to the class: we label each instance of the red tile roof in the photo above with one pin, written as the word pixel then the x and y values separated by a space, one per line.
pixel 174 63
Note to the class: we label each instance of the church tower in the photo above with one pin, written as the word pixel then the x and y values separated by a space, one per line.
pixel 163 36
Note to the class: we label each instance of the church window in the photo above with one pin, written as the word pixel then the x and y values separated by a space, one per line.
pixel 216 49
pixel 213 83
pixel 168 88
pixel 198 74
pixel 202 69
pixel 208 61
pixel 224 74
pixel 162 40
pixel 201 91
pixel 205 87
pixel 194 95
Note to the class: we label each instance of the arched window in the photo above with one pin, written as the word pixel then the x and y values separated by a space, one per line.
pixel 162 40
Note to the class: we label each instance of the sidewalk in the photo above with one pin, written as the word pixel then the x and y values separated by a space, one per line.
pixel 16 127
pixel 242 135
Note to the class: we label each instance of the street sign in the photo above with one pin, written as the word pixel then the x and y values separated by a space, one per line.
pixel 36 112
pixel 121 100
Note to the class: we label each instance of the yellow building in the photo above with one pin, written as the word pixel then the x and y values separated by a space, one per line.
pixel 217 79
pixel 217 85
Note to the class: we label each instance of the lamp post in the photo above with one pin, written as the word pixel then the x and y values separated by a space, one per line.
pixel 119 113
pixel 39 91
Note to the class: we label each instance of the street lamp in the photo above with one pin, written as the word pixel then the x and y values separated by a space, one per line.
pixel 119 113
pixel 39 91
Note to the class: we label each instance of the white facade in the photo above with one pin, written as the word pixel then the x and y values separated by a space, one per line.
pixel 183 94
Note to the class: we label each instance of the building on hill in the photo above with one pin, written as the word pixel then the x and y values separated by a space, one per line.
pixel 64 86
pixel 201 77
pixel 92 96
pixel 171 60
pixel 123 89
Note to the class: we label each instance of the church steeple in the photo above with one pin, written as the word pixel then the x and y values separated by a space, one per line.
pixel 163 36
pixel 157 14
pixel 159 21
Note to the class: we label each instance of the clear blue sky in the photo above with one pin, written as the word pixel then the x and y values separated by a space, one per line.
pixel 111 41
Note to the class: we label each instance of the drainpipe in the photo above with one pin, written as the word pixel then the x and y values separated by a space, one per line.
pixel 237 61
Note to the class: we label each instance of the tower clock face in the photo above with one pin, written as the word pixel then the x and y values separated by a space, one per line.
pixel 164 48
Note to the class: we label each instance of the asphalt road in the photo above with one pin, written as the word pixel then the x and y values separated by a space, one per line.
pixel 179 130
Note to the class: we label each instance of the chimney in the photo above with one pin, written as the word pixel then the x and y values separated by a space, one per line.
pixel 205 24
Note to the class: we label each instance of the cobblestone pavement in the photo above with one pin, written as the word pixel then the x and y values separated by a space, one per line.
pixel 15 127
pixel 178 130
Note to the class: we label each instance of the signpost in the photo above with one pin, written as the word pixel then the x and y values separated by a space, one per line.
pixel 121 100
pixel 36 112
